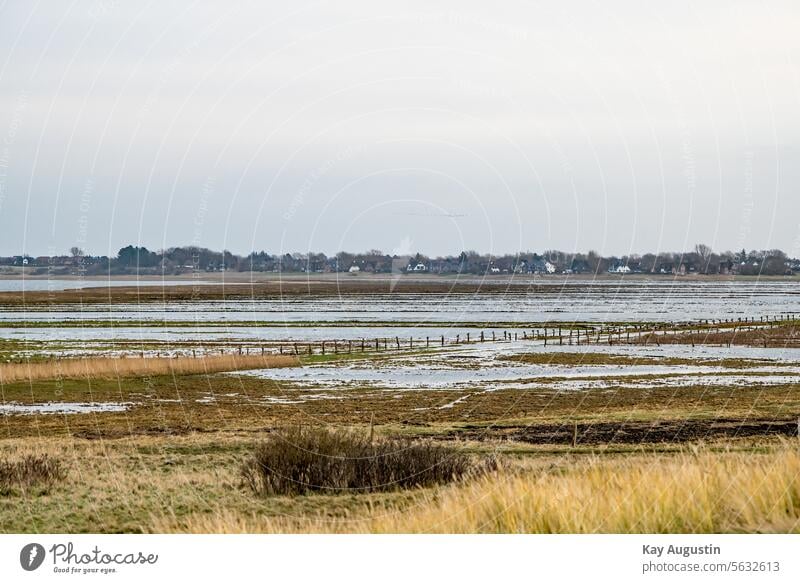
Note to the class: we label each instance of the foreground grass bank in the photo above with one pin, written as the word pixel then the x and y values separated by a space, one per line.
pixel 695 491
pixel 193 483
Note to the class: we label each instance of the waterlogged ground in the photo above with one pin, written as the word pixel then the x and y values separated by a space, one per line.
pixel 438 390
pixel 656 300
pixel 60 408
pixel 201 334
pixel 531 365
pixel 426 379
pixel 55 284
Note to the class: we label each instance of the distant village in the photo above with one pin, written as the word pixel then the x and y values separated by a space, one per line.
pixel 131 260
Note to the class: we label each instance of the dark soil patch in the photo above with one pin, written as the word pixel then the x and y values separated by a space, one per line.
pixel 633 432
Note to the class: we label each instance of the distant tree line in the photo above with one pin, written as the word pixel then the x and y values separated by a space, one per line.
pixel 132 260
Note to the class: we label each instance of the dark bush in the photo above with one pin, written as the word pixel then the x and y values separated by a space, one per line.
pixel 39 472
pixel 300 461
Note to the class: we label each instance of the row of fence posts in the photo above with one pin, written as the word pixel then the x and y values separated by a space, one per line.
pixel 548 334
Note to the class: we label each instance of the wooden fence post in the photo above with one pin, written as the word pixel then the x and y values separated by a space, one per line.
pixel 371 427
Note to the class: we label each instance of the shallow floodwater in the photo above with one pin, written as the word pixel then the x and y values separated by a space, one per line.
pixel 640 300
pixel 484 367
pixel 60 408
pixel 200 334
pixel 31 285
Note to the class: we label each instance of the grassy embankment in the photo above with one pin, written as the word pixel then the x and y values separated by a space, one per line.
pixel 193 484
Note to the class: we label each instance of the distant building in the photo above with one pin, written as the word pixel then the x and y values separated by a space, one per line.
pixel 354 269
pixel 417 267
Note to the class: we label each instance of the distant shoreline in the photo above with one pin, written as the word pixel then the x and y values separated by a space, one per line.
pixel 244 277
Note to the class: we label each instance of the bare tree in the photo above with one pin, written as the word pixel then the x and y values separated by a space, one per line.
pixel 704 252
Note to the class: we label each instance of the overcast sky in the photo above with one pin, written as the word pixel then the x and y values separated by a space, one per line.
pixel 496 126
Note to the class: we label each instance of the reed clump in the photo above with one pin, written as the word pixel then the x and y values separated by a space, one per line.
pixel 306 460
pixel 32 472
pixel 111 368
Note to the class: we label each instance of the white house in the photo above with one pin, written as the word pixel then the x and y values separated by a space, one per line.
pixel 549 267
pixel 354 269
pixel 621 269
pixel 417 267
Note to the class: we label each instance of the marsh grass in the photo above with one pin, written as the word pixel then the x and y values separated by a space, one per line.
pixel 780 334
pixel 306 460
pixel 32 472
pixel 602 358
pixel 698 490
pixel 112 368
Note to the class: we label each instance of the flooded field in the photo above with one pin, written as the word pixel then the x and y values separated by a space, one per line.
pixel 453 355
pixel 55 284
pixel 60 408
pixel 498 366
pixel 238 334
pixel 588 301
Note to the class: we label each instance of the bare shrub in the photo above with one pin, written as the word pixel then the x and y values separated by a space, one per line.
pixel 32 472
pixel 301 461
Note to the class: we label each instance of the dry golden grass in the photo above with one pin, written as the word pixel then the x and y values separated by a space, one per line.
pixel 690 493
pixel 97 368
pixel 694 492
